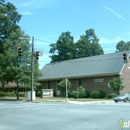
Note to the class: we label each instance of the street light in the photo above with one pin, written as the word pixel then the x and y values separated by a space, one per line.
pixel 32 65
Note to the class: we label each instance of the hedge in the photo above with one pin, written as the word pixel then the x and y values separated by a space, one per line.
pixel 2 94
pixel 75 94
pixel 112 95
pixel 98 94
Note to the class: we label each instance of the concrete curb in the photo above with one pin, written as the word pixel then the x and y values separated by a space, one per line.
pixel 93 102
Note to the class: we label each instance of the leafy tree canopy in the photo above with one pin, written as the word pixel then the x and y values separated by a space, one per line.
pixel 62 86
pixel 116 84
pixel 63 48
pixel 66 49
pixel 121 45
pixel 88 45
pixel 13 68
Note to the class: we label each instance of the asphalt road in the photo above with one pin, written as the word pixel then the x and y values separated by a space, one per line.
pixel 61 116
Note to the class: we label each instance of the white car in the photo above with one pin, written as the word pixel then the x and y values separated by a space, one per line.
pixel 122 97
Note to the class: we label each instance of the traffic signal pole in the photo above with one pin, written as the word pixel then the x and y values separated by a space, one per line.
pixel 32 68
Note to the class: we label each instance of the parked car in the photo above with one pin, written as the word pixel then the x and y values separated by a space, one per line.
pixel 122 97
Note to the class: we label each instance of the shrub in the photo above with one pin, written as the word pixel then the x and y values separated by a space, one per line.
pixel 81 91
pixel 54 93
pixel 75 94
pixel 38 93
pixel 87 94
pixel 112 95
pixel 98 94
pixel 70 94
pixel 22 94
pixel 95 94
pixel 10 94
pixel 102 93
pixel 2 94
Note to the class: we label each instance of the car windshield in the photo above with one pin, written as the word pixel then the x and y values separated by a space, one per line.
pixel 122 95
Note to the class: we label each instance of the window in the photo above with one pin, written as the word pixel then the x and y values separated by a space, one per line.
pixel 48 85
pixel 79 82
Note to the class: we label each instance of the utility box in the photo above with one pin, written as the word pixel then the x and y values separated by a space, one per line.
pixel 46 93
pixel 33 95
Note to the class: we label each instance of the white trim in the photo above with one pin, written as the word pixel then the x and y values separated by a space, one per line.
pixel 122 69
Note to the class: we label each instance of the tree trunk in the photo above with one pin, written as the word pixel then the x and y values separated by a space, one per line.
pixel 3 86
pixel 17 90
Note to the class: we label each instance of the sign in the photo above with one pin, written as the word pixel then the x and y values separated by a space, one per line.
pixel 98 80
pixel 46 93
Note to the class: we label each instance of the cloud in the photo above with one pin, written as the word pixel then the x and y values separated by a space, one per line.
pixel 27 13
pixel 110 41
pixel 114 12
pixel 38 3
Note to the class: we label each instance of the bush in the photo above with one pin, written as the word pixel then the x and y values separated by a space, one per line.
pixel 75 94
pixel 10 94
pixel 81 91
pixel 87 94
pixel 22 94
pixel 38 94
pixel 70 94
pixel 98 94
pixel 95 94
pixel 54 93
pixel 112 95
pixel 102 93
pixel 2 94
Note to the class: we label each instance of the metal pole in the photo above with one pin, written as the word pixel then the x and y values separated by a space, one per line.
pixel 66 91
pixel 32 68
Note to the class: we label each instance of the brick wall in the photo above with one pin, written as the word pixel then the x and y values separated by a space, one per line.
pixel 90 84
pixel 126 77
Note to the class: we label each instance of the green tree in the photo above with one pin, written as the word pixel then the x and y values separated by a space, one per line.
pixel 63 49
pixel 62 86
pixel 116 84
pixel 66 49
pixel 127 45
pixel 82 92
pixel 88 45
pixel 13 68
pixel 8 21
pixel 121 46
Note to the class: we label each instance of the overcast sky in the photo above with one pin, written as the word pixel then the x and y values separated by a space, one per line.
pixel 47 19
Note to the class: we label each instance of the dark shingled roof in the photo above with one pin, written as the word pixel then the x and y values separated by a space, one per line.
pixel 107 64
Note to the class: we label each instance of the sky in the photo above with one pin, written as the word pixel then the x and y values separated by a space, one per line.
pixel 47 19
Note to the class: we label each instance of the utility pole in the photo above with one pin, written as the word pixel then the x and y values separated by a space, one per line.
pixel 66 91
pixel 32 68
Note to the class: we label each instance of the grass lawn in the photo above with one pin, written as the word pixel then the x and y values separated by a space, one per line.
pixel 57 99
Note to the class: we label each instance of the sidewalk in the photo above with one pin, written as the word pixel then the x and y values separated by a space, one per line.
pixel 89 102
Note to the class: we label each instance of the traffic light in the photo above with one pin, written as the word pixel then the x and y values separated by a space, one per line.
pixel 19 51
pixel 37 55
pixel 125 57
